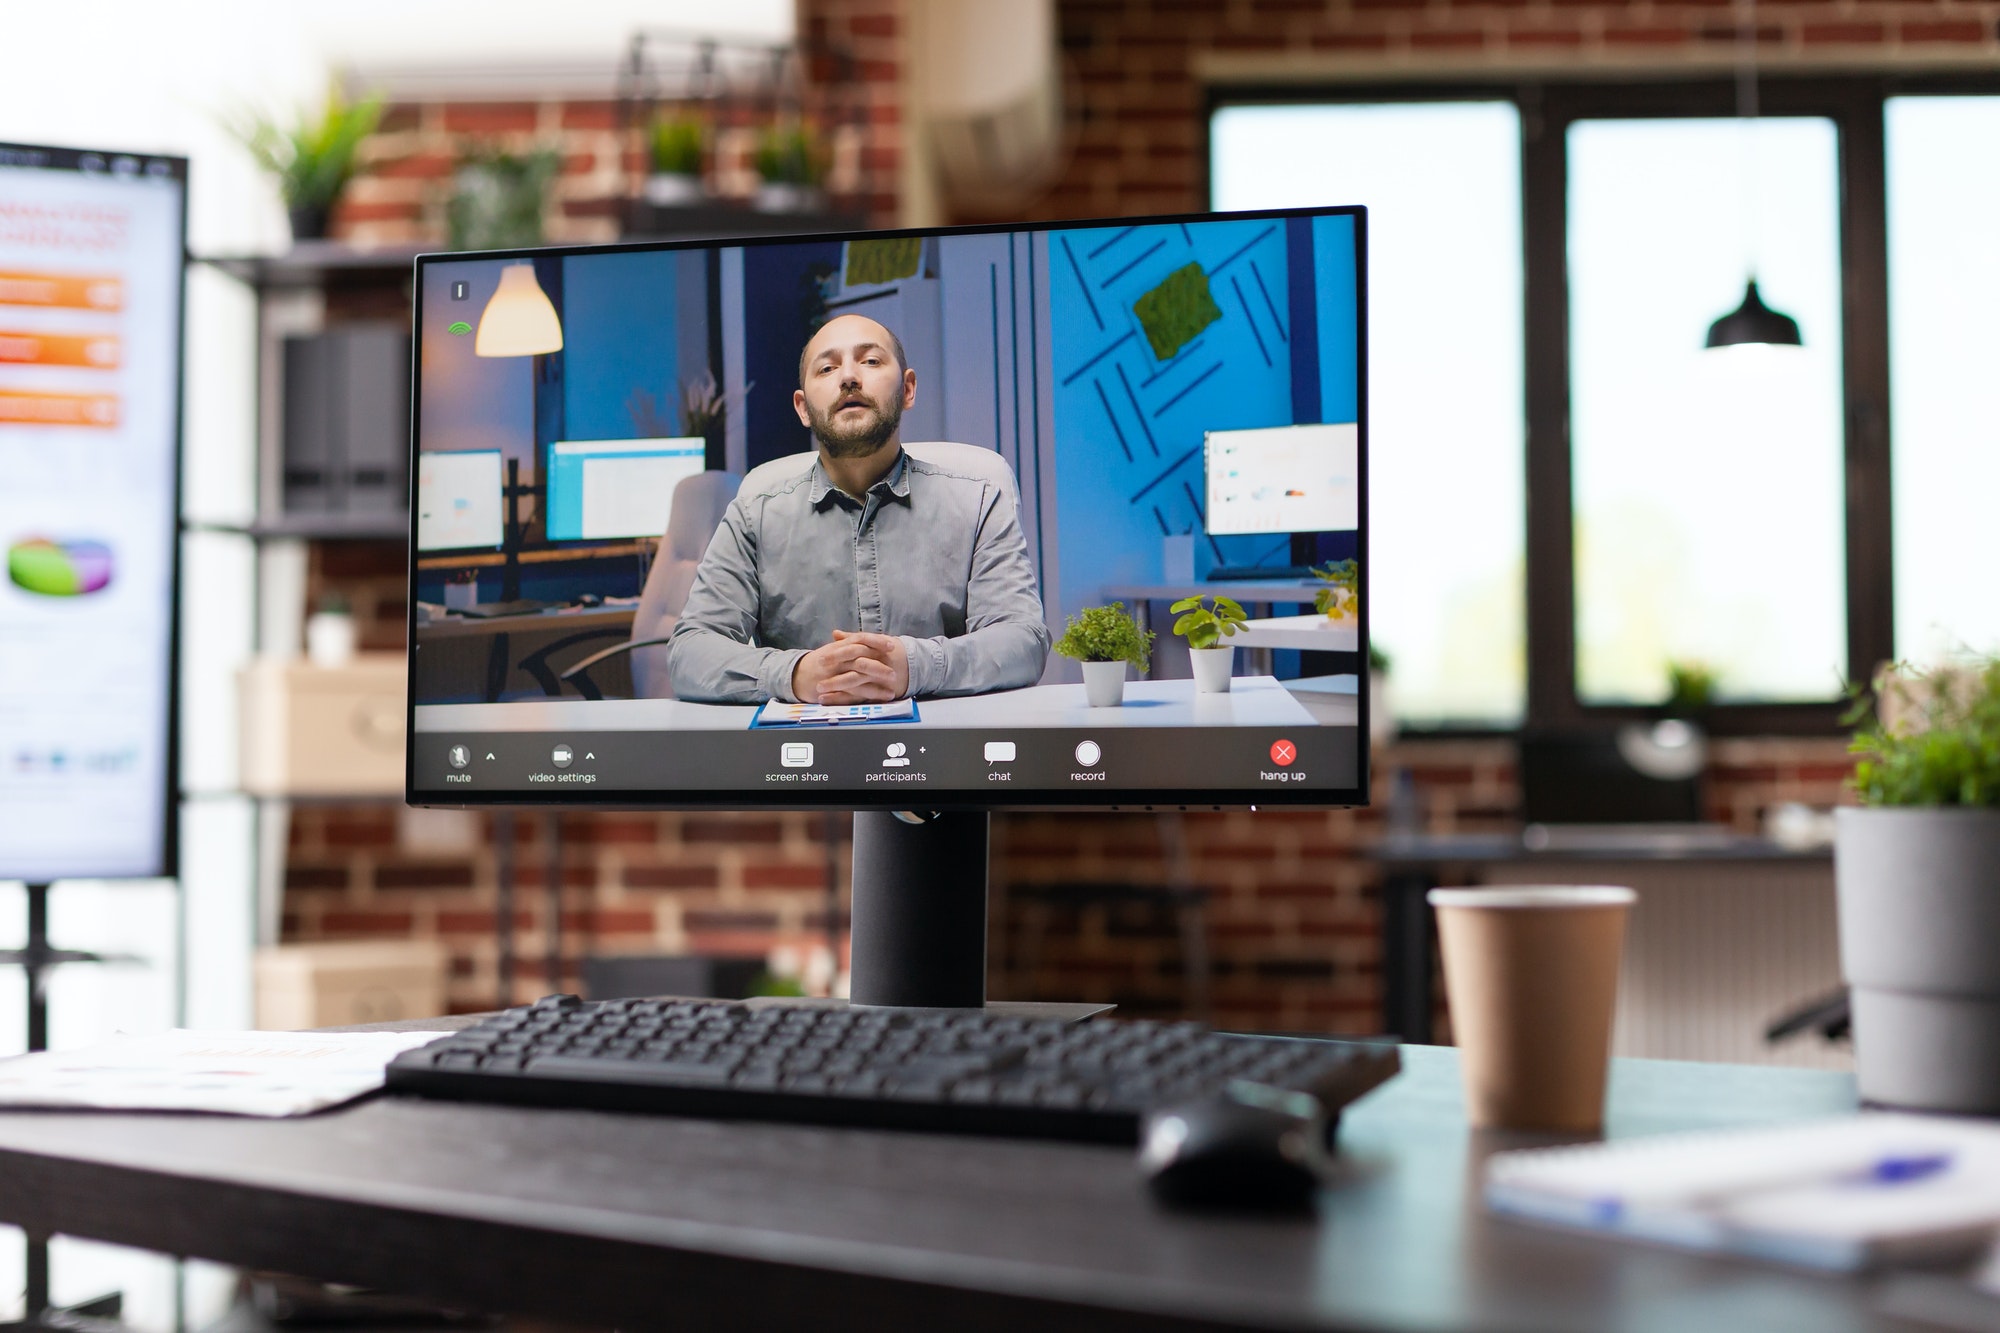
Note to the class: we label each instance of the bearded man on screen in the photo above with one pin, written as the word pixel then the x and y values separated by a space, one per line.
pixel 869 575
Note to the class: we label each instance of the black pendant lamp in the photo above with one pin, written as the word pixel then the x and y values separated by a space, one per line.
pixel 1754 322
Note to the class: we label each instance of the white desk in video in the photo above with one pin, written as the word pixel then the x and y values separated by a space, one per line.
pixel 1252 701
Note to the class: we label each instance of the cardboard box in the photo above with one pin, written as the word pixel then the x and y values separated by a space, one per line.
pixel 348 982
pixel 324 731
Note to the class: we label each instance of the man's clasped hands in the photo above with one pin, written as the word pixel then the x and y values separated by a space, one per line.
pixel 856 668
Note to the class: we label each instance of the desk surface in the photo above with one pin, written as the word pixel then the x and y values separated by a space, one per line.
pixel 1252 701
pixel 554 618
pixel 638 1221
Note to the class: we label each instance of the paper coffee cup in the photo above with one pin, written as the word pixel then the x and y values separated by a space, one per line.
pixel 1532 978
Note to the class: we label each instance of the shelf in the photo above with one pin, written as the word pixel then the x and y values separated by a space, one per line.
pixel 317 527
pixel 310 263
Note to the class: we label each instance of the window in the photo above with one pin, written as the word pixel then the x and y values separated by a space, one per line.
pixel 1778 515
pixel 1944 342
pixel 1707 486
pixel 1446 482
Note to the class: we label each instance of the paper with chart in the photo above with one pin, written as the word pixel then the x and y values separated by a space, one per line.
pixel 229 1073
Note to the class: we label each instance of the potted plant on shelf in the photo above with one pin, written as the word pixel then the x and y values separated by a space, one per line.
pixel 1917 874
pixel 1340 599
pixel 314 159
pixel 676 144
pixel 498 198
pixel 1205 622
pixel 791 164
pixel 1104 639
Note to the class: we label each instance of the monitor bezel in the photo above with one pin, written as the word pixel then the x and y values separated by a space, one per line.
pixel 1047 799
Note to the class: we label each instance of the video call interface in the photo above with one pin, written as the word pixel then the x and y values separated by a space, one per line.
pixel 838 519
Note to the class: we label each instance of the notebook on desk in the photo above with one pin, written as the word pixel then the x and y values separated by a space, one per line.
pixel 777 713
pixel 1856 1192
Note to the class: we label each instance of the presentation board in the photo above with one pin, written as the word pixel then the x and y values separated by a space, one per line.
pixel 91 260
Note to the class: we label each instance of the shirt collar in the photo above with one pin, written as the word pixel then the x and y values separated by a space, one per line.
pixel 896 483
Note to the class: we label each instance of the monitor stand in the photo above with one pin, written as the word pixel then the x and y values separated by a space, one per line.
pixel 919 915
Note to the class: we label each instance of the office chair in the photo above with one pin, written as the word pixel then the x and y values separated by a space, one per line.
pixel 667 587
pixel 699 502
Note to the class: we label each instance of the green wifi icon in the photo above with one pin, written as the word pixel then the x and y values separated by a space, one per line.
pixel 459 327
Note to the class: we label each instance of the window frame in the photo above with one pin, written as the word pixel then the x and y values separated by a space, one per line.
pixel 1548 107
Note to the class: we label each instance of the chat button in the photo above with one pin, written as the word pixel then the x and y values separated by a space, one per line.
pixel 999 752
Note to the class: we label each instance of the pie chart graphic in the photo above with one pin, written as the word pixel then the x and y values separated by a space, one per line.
pixel 59 569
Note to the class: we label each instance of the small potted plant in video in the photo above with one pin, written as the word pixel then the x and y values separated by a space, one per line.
pixel 1205 622
pixel 676 145
pixel 791 164
pixel 1105 639
pixel 1340 599
pixel 313 159
pixel 1917 869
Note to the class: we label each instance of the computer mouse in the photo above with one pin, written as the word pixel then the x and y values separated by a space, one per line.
pixel 1229 1152
pixel 589 599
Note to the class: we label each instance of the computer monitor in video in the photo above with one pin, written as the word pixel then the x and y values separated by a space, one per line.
pixel 896 521
pixel 460 500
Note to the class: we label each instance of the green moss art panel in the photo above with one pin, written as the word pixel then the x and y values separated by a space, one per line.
pixel 1177 310
pixel 883 261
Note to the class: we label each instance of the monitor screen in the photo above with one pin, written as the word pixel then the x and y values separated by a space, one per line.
pixel 902 519
pixel 617 488
pixel 459 502
pixel 90 342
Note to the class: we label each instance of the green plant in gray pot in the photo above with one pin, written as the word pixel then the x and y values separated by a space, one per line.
pixel 313 158
pixel 498 199
pixel 676 145
pixel 1917 869
pixel 791 163
pixel 1104 639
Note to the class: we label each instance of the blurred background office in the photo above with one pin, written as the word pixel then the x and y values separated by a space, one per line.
pixel 1565 199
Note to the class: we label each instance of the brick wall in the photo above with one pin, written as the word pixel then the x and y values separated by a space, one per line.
pixel 1139 68
pixel 1291 911
pixel 406 167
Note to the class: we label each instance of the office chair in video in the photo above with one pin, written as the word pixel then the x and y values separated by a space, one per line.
pixel 699 502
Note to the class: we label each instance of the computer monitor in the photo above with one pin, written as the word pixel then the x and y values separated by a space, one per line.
pixel 603 489
pixel 930 460
pixel 460 500
pixel 91 255
pixel 1282 479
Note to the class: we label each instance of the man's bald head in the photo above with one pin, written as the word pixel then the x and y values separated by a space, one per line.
pixel 851 330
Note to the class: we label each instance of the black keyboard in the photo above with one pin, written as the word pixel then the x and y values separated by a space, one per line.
pixel 971 1070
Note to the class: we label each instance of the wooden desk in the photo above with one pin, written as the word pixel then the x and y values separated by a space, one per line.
pixel 636 1222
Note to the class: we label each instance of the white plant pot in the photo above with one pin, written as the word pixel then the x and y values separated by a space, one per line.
pixel 1919 901
pixel 1104 684
pixel 785 197
pixel 330 638
pixel 672 189
pixel 1212 667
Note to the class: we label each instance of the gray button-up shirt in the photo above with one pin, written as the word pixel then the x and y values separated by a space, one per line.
pixel 931 554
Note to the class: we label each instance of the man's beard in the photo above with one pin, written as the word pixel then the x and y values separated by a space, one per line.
pixel 861 439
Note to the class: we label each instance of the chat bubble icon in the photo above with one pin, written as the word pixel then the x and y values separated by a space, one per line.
pixel 999 752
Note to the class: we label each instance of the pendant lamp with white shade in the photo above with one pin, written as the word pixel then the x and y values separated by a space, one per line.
pixel 520 320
